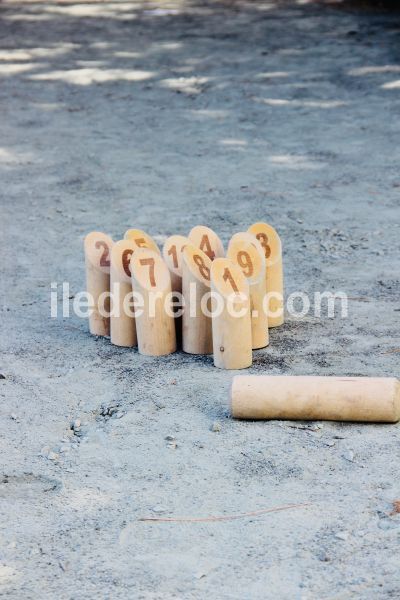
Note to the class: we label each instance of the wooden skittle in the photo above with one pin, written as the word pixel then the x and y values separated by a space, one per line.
pixel 271 243
pixel 231 321
pixel 369 399
pixel 247 253
pixel 122 320
pixel 154 318
pixel 196 319
pixel 172 254
pixel 98 248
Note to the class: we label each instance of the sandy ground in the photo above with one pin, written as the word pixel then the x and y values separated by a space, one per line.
pixel 163 116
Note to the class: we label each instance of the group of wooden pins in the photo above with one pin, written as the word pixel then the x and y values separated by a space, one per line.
pixel 251 271
pixel 194 266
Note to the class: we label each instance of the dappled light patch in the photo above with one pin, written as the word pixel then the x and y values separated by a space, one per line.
pixel 6 156
pixel 372 70
pixel 106 9
pixel 11 159
pixel 186 85
pixel 30 53
pixel 391 85
pixel 102 45
pixel 161 12
pixel 207 113
pixel 233 142
pixel 87 76
pixel 273 75
pixel 126 54
pixel 27 17
pixel 167 46
pixel 292 161
pixel 7 69
pixel 301 103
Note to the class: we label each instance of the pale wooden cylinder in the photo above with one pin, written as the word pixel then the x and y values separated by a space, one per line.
pixel 372 399
pixel 155 330
pixel 196 326
pixel 98 247
pixel 259 318
pixel 207 240
pixel 122 323
pixel 246 251
pixel 172 254
pixel 271 243
pixel 232 342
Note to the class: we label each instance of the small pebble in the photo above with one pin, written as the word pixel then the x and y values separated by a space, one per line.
pixel 64 565
pixel 45 451
pixel 53 456
pixel 387 524
pixel 323 557
pixel 342 535
pixel 216 426
pixel 330 443
pixel 170 438
pixel 159 509
pixel 349 455
pixel 362 533
pixel 76 425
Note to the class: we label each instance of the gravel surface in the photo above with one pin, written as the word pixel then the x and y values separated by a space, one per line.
pixel 163 116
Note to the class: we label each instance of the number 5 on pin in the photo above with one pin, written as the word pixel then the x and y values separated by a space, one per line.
pixel 141 239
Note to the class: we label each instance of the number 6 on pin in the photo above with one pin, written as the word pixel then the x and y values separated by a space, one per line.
pixel 122 325
pixel 154 318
